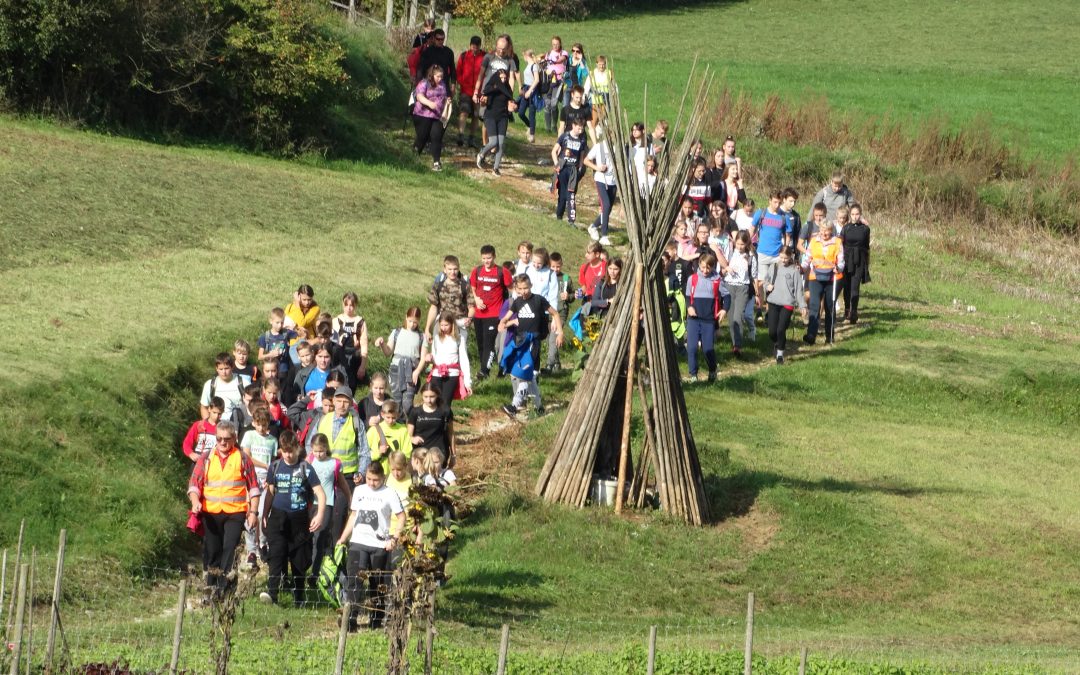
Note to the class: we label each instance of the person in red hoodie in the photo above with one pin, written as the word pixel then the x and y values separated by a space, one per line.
pixel 491 285
pixel 200 437
pixel 468 70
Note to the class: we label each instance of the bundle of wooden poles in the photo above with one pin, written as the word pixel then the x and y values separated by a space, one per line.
pixel 599 416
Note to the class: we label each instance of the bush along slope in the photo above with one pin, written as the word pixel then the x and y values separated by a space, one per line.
pixel 268 74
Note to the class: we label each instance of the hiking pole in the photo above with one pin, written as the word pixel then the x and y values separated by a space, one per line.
pixel 832 327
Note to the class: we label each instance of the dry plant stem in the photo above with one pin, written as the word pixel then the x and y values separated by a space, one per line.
pixel 54 613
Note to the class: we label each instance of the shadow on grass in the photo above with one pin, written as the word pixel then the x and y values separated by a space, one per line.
pixel 733 496
pixel 488 599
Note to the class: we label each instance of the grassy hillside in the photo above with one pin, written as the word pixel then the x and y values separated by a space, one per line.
pixel 907 58
pixel 908 495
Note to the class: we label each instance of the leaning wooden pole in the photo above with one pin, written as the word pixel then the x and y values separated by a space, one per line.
pixel 628 399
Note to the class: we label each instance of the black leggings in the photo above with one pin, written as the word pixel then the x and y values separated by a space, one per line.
pixel 428 130
pixel 852 285
pixel 223 531
pixel 374 566
pixel 778 319
pixel 289 541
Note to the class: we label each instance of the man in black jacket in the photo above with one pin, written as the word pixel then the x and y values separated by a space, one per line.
pixel 438 54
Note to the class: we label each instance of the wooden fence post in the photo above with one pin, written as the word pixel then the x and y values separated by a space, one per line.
pixel 748 653
pixel 20 615
pixel 651 668
pixel 802 662
pixel 429 639
pixel 343 636
pixel 178 630
pixel 389 14
pixel 352 11
pixel 3 584
pixel 413 6
pixel 30 611
pixel 15 588
pixel 504 648
pixel 50 645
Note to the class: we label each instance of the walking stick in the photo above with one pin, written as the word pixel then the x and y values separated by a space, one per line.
pixel 832 328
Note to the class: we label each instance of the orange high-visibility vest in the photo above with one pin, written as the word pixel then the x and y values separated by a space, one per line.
pixel 825 258
pixel 225 490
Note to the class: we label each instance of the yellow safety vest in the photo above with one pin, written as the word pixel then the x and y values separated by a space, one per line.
pixel 344 446
pixel 225 490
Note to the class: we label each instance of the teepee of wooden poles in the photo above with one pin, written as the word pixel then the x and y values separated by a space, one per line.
pixel 597 421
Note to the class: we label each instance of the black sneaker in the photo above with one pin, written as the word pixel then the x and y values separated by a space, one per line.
pixel 460 140
pixel 482 375
pixel 473 144
pixel 539 410
pixel 510 411
pixel 808 340
pixel 779 359
pixel 496 172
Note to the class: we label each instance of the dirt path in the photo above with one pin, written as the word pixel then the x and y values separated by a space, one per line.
pixel 489 443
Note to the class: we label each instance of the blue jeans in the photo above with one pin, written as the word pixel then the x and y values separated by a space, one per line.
pixel 821 289
pixel 606 193
pixel 700 330
pixel 527 108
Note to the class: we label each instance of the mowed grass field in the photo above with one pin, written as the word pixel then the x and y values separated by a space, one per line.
pixel 1016 63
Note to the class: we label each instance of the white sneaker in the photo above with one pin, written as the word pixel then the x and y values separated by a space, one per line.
pixel 604 241
pixel 594 233
pixel 530 137
pixel 479 160
pixel 265 598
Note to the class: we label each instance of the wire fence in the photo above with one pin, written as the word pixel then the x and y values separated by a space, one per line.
pixel 115 617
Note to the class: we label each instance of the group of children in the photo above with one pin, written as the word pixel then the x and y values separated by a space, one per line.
pixel 335 468
pixel 727 259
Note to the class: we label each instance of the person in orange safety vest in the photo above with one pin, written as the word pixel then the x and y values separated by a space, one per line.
pixel 224 493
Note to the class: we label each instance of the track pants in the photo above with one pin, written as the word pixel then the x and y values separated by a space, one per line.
pixel 289 540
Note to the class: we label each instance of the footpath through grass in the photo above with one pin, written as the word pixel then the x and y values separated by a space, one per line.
pixel 906 495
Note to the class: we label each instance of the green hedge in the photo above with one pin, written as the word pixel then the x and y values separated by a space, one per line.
pixel 265 73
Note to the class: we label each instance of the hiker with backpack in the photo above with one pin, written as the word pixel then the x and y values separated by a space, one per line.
pixel 555 61
pixel 490 285
pixel 403 346
pixel 468 73
pixel 530 100
pixel 784 293
pixel 450 293
pixel 702 313
pixel 449 359
pixel 227 386
pixel 294 491
pixel 350 339
pixel 333 482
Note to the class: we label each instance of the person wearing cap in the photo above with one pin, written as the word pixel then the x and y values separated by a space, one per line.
pixel 348 443
pixel 224 493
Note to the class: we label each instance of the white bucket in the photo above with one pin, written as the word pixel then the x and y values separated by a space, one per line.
pixel 603 492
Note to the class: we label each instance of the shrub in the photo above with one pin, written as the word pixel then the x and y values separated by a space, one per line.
pixel 265 73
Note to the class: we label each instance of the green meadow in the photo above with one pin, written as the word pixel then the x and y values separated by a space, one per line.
pixel 904 500
pixel 1015 65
